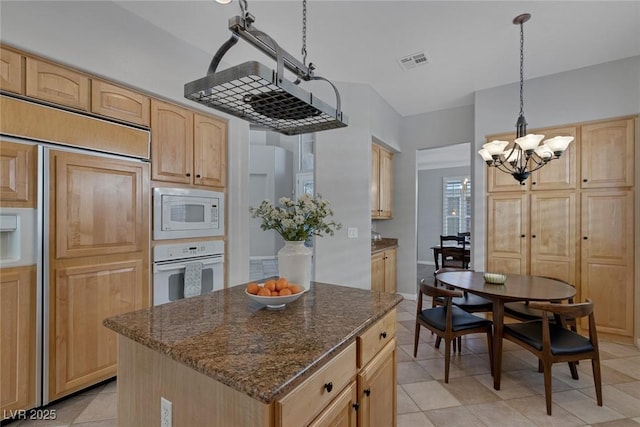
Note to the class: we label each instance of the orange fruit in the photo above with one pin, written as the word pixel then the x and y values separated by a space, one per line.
pixel 282 283
pixel 285 291
pixel 274 293
pixel 270 284
pixel 295 289
pixel 264 292
pixel 253 288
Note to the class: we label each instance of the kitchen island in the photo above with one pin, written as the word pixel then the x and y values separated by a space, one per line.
pixel 223 360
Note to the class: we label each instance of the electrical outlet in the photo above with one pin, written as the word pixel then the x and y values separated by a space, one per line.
pixel 165 412
pixel 352 233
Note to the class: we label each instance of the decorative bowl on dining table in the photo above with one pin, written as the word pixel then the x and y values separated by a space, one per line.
pixel 495 278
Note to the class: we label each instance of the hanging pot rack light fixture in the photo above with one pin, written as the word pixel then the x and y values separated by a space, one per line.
pixel 527 153
pixel 260 95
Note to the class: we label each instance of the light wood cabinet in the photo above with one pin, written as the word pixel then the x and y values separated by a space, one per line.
pixel 120 103
pixel 187 148
pixel 341 412
pixel 11 71
pixel 508 226
pixel 558 174
pixel 381 182
pixel 17 339
pixel 377 390
pixel 18 174
pixel 607 258
pixel 57 84
pixel 384 270
pixel 608 154
pixel 99 262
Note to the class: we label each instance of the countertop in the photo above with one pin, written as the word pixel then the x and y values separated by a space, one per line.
pixel 383 244
pixel 262 353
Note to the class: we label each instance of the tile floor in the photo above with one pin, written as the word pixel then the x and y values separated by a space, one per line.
pixel 468 400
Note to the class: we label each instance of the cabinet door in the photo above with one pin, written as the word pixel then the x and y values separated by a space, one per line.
pixel 120 103
pixel 57 84
pixel 558 173
pixel 81 350
pixel 608 154
pixel 101 205
pixel 17 339
pixel 377 390
pixel 210 151
pixel 507 241
pixel 390 270
pixel 386 184
pixel 17 175
pixel 171 143
pixel 375 181
pixel 341 412
pixel 377 272
pixel 607 258
pixel 11 71
pixel 498 181
pixel 553 235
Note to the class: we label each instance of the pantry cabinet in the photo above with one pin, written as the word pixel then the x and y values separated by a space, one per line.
pixel 381 182
pixel 384 270
pixel 187 148
pixel 17 339
pixel 11 71
pixel 507 229
pixel 18 174
pixel 608 154
pixel 119 103
pixel 60 85
pixel 98 264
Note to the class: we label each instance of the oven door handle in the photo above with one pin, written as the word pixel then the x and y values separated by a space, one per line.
pixel 182 265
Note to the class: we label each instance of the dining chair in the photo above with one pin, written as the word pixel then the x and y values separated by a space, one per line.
pixel 452 254
pixel 449 322
pixel 464 238
pixel 554 342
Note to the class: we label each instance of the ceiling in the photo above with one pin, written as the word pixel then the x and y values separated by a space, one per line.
pixel 470 45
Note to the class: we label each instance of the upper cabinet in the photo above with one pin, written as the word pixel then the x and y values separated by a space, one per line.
pixel 187 148
pixel 17 175
pixel 120 103
pixel 607 154
pixel 11 71
pixel 381 182
pixel 57 84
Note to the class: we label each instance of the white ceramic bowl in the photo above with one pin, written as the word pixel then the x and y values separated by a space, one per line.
pixel 274 302
pixel 495 278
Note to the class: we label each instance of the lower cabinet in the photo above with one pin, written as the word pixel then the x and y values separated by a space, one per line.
pixel 17 339
pixel 377 389
pixel 341 411
pixel 384 271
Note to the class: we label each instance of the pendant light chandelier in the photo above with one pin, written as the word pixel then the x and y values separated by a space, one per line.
pixel 527 153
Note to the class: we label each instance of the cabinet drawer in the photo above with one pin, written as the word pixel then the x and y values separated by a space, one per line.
pixel 376 337
pixel 307 400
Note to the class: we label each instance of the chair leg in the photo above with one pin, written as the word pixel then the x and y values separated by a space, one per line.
pixel 490 346
pixel 415 340
pixel 438 340
pixel 459 344
pixel 597 379
pixel 574 370
pixel 540 368
pixel 447 359
pixel 547 385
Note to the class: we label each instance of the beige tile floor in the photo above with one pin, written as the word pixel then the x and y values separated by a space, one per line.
pixel 467 400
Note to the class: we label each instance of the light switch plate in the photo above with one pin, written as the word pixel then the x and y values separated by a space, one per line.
pixel 352 232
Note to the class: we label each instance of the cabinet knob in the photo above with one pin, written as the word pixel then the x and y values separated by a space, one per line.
pixel 533 183
pixel 585 238
pixel 522 235
pixel 383 335
pixel 356 406
pixel 198 176
pixel 367 391
pixel 328 386
pixel 534 236
pixel 585 180
pixel 188 174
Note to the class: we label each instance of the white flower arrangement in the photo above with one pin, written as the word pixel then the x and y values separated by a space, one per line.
pixel 297 220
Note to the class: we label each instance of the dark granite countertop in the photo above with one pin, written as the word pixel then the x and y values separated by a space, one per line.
pixel 262 353
pixel 383 244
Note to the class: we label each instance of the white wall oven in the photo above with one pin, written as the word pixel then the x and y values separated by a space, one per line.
pixel 193 268
pixel 184 212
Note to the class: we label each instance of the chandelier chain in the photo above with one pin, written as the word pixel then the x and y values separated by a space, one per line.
pixel 521 68
pixel 304 32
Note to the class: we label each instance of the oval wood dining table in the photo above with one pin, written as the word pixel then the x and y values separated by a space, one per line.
pixel 516 288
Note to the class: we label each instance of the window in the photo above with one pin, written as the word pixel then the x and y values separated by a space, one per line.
pixel 456 205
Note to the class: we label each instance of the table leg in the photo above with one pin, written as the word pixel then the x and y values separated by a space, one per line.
pixel 498 326
pixel 436 255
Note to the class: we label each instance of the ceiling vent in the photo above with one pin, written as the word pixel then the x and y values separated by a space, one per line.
pixel 414 60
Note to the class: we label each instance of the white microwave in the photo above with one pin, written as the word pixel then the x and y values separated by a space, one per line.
pixel 184 212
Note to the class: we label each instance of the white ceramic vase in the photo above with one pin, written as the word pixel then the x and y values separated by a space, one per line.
pixel 294 263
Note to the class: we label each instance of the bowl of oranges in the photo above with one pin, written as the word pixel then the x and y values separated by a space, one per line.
pixel 274 293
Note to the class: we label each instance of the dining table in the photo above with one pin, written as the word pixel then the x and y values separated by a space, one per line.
pixel 516 288
pixel 437 253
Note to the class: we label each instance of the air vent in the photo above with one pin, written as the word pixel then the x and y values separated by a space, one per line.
pixel 414 60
